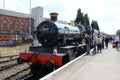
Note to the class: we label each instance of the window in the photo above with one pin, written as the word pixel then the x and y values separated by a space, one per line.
pixel 27 28
pixel 22 28
pixel 17 28
pixel 11 26
pixel 4 26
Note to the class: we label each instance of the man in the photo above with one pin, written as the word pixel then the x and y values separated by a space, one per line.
pixel 95 42
pixel 88 42
pixel 106 42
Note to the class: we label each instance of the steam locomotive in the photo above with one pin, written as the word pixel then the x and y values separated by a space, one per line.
pixel 61 43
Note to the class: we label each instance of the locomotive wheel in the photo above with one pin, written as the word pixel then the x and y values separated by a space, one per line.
pixel 35 68
pixel 49 67
pixel 20 60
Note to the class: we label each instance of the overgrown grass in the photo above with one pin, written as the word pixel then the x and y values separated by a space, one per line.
pixel 10 50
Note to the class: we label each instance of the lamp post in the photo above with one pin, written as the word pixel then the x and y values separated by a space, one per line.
pixel 30 16
pixel 3 3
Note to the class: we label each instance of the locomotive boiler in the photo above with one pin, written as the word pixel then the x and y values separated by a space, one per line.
pixel 51 33
pixel 60 44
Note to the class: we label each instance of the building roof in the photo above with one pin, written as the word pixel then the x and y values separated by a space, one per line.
pixel 13 13
pixel 23 15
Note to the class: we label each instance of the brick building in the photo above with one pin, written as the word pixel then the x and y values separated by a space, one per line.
pixel 15 22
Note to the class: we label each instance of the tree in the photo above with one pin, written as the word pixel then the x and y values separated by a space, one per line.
pixel 86 20
pixel 86 24
pixel 83 19
pixel 95 25
pixel 79 17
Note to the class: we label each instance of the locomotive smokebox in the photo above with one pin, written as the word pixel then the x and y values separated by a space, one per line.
pixel 53 16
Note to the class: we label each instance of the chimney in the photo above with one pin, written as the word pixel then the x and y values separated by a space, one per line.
pixel 53 16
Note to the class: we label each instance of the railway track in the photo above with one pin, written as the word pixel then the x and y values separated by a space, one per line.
pixel 32 77
pixel 26 77
pixel 13 72
pixel 8 58
pixel 7 64
pixel 10 70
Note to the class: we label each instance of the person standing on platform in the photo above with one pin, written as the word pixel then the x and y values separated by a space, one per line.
pixel 88 43
pixel 118 45
pixel 106 42
pixel 103 41
pixel 95 42
pixel 99 43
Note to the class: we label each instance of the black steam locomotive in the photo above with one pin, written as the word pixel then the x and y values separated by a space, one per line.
pixel 60 44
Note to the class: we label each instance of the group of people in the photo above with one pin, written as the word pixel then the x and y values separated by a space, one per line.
pixel 97 42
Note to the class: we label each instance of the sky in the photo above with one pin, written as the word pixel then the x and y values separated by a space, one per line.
pixel 105 12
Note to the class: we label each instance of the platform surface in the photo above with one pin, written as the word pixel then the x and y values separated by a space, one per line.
pixel 102 66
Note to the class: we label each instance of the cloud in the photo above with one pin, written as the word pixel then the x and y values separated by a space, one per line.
pixel 17 5
pixel 106 12
pixel 1 4
pixel 109 21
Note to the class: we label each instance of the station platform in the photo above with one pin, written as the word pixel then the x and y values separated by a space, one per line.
pixel 102 66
